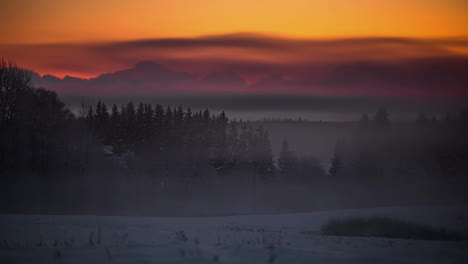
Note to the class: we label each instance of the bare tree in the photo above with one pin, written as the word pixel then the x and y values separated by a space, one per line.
pixel 14 82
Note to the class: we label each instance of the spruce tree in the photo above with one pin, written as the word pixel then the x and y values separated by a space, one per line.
pixel 381 120
pixel 233 143
pixel 337 160
pixel 286 160
pixel 364 122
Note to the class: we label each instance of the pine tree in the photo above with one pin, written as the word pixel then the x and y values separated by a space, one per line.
pixel 286 160
pixel 337 161
pixel 206 117
pixel 381 120
pixel 422 119
pixel 179 131
pixel 129 124
pixel 115 130
pixel 260 152
pixel 166 130
pixel 103 124
pixel 188 115
pixel 219 134
pixel 98 110
pixel 90 117
pixel 140 113
pixel 336 166
pixel 364 122
pixel 233 143
pixel 243 142
pixel 158 119
pixel 114 115
pixel 140 126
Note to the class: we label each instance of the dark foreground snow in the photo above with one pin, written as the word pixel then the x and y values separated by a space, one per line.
pixel 290 238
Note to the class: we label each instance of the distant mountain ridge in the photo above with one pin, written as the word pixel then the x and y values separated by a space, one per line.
pixel 426 77
pixel 144 76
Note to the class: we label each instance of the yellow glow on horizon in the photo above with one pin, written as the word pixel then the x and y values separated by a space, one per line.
pixel 50 21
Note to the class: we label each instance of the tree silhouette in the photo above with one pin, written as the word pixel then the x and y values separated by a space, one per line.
pixel 286 160
pixel 381 120
pixel 337 161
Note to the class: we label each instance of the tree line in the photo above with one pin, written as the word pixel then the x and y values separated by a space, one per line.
pixel 42 141
pixel 178 136
pixel 428 148
pixel 39 135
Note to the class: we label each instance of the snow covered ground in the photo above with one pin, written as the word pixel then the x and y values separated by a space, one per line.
pixel 290 238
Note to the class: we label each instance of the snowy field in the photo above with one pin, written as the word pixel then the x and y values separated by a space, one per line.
pixel 290 238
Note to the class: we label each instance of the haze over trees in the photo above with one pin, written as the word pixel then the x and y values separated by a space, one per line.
pixel 144 157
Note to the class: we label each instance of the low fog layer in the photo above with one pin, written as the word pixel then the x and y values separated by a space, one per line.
pixel 284 106
pixel 185 155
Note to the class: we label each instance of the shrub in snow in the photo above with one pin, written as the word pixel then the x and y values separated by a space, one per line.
pixel 385 227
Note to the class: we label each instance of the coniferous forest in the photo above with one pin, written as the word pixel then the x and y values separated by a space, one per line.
pixel 140 158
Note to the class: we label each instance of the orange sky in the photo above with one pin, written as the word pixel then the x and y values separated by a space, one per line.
pixel 305 41
pixel 51 21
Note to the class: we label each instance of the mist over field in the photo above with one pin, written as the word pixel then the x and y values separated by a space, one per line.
pixel 203 131
pixel 255 107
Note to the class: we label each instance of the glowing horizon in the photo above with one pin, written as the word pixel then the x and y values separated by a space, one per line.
pixel 232 52
pixel 300 40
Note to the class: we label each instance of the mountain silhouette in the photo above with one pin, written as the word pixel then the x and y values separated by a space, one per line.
pixel 443 75
pixel 144 72
pixel 145 76
pixel 224 77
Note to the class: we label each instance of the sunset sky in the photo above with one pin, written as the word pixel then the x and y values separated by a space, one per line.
pixel 51 21
pixel 88 38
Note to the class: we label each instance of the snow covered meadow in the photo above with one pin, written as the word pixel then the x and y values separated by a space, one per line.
pixel 285 238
